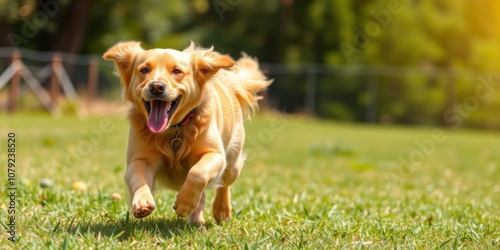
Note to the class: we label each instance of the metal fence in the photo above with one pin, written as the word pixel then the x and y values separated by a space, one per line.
pixel 352 92
pixel 52 76
pixel 387 93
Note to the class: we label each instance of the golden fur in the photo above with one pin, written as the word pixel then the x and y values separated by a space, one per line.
pixel 222 92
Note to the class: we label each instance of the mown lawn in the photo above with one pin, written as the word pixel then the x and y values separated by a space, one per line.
pixel 307 185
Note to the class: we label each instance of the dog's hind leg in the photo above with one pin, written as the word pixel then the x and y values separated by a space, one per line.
pixel 221 208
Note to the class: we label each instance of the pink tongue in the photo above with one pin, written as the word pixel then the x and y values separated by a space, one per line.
pixel 158 118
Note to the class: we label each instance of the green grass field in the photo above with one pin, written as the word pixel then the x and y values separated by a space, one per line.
pixel 308 184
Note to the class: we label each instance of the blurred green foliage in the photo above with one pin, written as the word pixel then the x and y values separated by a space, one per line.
pixel 453 42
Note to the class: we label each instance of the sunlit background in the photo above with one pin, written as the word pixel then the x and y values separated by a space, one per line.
pixel 380 130
pixel 381 61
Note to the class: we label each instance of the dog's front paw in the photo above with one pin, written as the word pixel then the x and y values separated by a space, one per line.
pixel 187 202
pixel 143 207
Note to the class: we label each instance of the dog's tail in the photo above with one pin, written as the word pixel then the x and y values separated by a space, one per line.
pixel 250 82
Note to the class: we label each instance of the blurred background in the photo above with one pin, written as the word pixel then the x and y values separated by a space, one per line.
pixel 423 62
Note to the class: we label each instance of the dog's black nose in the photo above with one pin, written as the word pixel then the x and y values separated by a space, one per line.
pixel 156 88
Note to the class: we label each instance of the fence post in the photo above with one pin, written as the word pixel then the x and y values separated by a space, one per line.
pixel 371 108
pixel 15 83
pixel 264 103
pixel 54 83
pixel 311 90
pixel 450 97
pixel 93 79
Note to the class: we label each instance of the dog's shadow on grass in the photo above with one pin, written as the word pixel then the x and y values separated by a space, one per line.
pixel 129 227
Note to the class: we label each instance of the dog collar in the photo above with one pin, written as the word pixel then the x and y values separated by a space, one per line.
pixel 176 142
pixel 188 118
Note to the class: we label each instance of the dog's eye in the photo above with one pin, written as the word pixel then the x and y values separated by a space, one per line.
pixel 145 70
pixel 176 71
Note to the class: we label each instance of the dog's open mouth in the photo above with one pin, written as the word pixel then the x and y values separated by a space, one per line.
pixel 160 113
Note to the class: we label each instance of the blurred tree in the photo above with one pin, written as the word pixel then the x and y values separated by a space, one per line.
pixel 44 25
pixel 442 38
pixel 70 25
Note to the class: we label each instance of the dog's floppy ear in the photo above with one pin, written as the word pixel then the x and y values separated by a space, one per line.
pixel 123 55
pixel 207 62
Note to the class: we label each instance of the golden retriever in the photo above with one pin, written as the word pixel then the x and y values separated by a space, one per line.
pixel 186 131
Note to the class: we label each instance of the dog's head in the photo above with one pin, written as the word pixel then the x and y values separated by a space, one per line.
pixel 164 84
